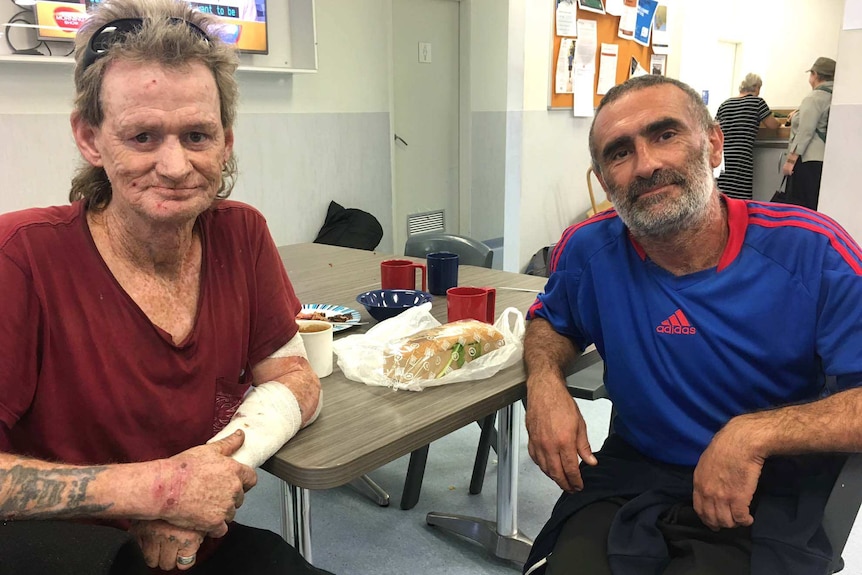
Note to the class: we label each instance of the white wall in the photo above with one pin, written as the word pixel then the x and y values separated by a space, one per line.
pixel 301 140
pixel 840 193
pixel 778 39
pixel 489 43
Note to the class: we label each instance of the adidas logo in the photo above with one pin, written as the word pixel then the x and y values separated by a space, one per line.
pixel 677 323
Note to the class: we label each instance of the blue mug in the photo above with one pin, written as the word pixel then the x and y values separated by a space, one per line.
pixel 442 272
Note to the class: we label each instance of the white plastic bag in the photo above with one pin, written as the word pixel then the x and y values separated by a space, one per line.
pixel 361 357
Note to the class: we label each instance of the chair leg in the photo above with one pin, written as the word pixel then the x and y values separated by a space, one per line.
pixel 492 439
pixel 488 436
pixel 369 487
pixel 413 481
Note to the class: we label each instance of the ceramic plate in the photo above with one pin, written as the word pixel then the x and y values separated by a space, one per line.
pixel 330 310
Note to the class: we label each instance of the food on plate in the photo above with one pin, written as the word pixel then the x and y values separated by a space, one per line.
pixel 321 316
pixel 434 352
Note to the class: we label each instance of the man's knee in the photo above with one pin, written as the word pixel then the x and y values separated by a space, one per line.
pixel 583 541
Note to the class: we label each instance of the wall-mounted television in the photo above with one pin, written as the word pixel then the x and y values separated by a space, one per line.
pixel 243 22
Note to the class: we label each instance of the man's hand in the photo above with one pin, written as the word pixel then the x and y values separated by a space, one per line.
pixel 726 477
pixel 162 543
pixel 201 488
pixel 558 435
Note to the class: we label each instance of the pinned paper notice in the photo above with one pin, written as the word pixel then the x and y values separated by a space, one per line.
pixel 567 14
pixel 607 68
pixel 563 78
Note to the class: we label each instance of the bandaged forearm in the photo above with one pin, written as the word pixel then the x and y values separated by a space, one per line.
pixel 269 415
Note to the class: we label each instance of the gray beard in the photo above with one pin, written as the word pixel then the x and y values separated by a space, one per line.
pixel 688 211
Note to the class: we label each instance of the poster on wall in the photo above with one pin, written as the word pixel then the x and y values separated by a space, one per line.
pixel 585 68
pixel 563 78
pixel 614 7
pixel 660 34
pixel 645 12
pixel 607 68
pixel 596 6
pixel 658 64
pixel 628 21
pixel 567 15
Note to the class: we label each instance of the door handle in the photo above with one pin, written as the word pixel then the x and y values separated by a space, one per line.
pixel 400 139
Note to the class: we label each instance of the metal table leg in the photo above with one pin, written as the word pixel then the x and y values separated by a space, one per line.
pixel 296 518
pixel 501 538
pixel 369 488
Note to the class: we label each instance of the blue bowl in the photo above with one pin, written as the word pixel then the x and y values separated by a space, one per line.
pixel 385 303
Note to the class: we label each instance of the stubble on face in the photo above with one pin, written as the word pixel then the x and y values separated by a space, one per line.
pixel 658 215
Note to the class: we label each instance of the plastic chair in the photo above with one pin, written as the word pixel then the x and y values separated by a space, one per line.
pixel 601 206
pixel 470 252
pixel 844 501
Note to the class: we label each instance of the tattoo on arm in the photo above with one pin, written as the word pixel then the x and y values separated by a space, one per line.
pixel 33 493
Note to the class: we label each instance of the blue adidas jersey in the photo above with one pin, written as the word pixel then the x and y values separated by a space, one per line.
pixel 686 354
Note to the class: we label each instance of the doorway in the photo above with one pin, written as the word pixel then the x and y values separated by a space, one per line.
pixel 426 123
pixel 725 70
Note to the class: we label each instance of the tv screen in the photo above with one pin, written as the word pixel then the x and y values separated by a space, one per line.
pixel 242 22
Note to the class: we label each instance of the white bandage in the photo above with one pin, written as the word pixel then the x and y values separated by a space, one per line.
pixel 296 348
pixel 269 416
pixel 293 348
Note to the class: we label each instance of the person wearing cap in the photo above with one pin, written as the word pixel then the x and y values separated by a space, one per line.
pixel 807 145
pixel 151 358
pixel 739 118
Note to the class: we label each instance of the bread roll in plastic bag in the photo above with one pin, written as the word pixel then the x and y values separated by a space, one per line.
pixel 413 350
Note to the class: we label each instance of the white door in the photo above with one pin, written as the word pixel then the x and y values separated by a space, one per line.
pixel 724 74
pixel 425 59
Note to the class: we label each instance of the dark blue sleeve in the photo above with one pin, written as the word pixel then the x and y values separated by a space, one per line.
pixel 558 303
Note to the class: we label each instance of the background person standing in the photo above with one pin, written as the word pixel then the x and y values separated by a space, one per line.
pixel 807 143
pixel 740 117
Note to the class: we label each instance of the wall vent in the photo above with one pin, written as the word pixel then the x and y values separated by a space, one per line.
pixel 426 222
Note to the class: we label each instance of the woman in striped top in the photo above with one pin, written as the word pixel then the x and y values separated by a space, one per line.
pixel 740 117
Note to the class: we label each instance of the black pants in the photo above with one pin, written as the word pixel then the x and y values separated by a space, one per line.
pixel 694 549
pixel 67 548
pixel 250 551
pixel 803 187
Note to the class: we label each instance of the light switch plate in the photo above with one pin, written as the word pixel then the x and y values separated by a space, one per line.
pixel 425 52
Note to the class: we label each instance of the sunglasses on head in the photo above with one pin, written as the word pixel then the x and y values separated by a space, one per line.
pixel 115 32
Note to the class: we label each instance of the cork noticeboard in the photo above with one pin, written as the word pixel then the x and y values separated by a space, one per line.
pixel 606 32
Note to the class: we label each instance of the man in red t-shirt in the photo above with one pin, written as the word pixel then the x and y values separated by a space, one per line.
pixel 136 319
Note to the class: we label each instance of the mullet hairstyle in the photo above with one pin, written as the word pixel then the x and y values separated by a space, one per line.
pixel 160 41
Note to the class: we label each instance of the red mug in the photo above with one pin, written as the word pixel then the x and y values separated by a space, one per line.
pixel 471 303
pixel 400 274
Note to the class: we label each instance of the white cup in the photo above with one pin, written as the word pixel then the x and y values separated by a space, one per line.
pixel 317 338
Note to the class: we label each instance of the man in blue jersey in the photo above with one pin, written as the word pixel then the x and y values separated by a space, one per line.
pixel 730 332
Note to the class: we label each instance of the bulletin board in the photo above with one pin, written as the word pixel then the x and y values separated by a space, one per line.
pixel 606 32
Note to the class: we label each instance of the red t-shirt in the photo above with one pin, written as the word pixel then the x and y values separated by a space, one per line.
pixel 86 378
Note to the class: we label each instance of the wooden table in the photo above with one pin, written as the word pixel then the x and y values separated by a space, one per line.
pixel 364 427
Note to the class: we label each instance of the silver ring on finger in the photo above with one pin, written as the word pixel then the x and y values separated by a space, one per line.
pixel 186 560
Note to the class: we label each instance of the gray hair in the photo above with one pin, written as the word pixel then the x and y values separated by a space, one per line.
pixel 160 40
pixel 750 84
pixel 696 106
